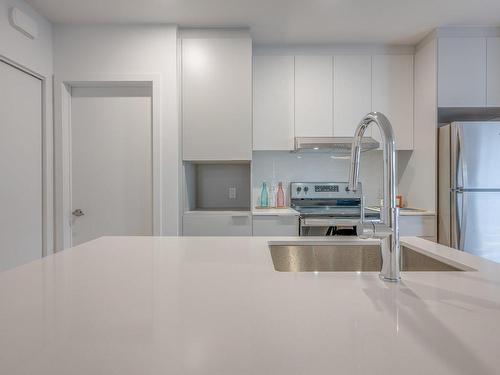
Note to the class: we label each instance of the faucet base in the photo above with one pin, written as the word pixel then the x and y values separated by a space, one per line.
pixel 389 279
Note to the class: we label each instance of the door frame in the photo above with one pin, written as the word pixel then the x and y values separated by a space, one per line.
pixel 46 162
pixel 62 149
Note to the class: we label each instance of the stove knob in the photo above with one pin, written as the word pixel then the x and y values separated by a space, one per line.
pixel 306 189
pixel 299 189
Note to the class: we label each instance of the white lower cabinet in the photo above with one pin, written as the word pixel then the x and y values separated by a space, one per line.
pixel 276 225
pixel 217 223
pixel 419 226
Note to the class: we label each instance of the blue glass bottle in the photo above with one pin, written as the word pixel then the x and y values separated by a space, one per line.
pixel 264 196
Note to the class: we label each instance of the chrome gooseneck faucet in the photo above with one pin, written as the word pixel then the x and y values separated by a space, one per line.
pixel 388 228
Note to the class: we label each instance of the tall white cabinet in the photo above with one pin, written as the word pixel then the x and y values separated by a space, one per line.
pixel 273 102
pixel 217 97
pixel 216 108
pixel 392 93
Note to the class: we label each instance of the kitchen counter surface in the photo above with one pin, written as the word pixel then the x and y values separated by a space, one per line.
pixel 417 212
pixel 142 305
pixel 406 211
pixel 274 212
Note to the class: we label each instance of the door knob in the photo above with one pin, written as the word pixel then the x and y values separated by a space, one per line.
pixel 78 212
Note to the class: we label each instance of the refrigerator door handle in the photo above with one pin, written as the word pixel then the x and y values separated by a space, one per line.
pixel 462 225
pixel 458 218
pixel 454 218
pixel 461 165
pixel 457 163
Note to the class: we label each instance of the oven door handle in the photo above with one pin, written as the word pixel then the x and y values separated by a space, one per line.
pixel 327 222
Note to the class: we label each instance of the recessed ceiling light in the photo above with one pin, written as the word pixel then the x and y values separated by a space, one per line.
pixel 316 148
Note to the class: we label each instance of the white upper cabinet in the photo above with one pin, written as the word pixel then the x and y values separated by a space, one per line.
pixel 273 103
pixel 493 72
pixel 352 94
pixel 313 96
pixel 462 72
pixel 217 98
pixel 392 93
pixel 321 96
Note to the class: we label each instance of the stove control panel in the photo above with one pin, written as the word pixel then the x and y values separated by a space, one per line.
pixel 322 190
pixel 326 188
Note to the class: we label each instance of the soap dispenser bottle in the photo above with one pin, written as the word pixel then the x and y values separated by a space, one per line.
pixel 264 196
pixel 280 196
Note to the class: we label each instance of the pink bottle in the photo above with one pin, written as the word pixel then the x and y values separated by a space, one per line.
pixel 280 196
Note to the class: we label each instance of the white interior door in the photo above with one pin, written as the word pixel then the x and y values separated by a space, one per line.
pixel 20 167
pixel 111 162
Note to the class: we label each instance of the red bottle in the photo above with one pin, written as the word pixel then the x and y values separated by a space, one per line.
pixel 280 196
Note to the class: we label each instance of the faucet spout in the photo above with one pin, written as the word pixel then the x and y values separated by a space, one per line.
pixel 388 228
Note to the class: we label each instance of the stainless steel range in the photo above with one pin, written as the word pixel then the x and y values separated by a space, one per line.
pixel 328 208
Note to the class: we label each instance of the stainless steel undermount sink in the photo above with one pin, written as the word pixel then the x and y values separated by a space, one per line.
pixel 348 258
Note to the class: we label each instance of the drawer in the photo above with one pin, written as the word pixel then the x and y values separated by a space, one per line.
pixel 215 223
pixel 286 225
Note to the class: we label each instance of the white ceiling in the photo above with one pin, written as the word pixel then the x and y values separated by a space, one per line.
pixel 288 21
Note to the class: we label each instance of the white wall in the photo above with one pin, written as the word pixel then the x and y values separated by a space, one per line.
pixel 275 166
pixel 34 55
pixel 128 50
pixel 419 178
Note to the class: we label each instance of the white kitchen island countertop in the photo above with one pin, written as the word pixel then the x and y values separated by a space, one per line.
pixel 287 211
pixel 216 306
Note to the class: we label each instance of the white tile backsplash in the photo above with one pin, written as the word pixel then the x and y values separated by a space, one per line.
pixel 275 166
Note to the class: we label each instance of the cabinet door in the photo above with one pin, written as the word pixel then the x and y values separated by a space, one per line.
pixel 417 225
pixel 217 98
pixel 279 225
pixel 273 101
pixel 352 95
pixel 493 72
pixel 462 72
pixel 392 92
pixel 313 96
pixel 217 224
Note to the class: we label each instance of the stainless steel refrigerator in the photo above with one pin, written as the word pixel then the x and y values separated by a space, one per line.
pixel 469 187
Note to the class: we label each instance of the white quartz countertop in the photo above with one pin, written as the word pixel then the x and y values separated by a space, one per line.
pixel 274 212
pixel 142 305
pixel 405 211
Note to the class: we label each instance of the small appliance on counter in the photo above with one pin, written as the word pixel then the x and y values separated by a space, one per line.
pixel 328 208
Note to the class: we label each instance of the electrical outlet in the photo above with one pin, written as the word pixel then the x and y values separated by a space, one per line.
pixel 232 192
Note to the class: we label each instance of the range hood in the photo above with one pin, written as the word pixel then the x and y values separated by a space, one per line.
pixel 340 146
